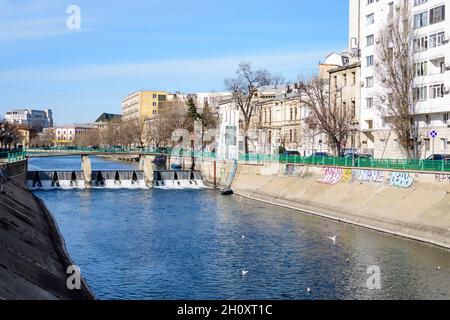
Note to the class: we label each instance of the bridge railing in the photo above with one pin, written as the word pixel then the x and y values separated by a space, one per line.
pixel 399 164
pixel 12 156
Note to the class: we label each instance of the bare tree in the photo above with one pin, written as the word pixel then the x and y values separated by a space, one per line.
pixel 278 80
pixel 327 111
pixel 395 70
pixel 44 139
pixel 9 134
pixel 89 138
pixel 133 132
pixel 244 88
pixel 111 134
pixel 171 116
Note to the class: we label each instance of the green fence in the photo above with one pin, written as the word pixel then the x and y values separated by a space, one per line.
pixel 12 156
pixel 401 164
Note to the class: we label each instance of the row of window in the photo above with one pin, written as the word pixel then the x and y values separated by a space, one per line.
pixel 430 17
pixel 423 43
pixel 434 91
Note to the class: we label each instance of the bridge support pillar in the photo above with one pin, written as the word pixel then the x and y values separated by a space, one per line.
pixel 146 164
pixel 87 170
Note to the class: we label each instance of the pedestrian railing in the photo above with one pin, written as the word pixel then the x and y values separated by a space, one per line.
pixel 399 164
pixel 12 156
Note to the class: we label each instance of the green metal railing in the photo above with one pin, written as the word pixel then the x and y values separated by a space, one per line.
pixel 399 164
pixel 12 156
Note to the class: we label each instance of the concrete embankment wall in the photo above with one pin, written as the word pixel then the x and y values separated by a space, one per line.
pixel 33 258
pixel 409 204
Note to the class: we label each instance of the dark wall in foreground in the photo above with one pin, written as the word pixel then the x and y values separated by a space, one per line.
pixel 33 259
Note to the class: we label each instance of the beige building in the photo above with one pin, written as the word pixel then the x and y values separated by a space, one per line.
pixel 142 105
pixel 65 135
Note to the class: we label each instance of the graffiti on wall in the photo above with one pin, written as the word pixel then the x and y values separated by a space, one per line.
pixel 335 175
pixel 367 175
pixel 398 179
pixel 401 180
pixel 443 178
pixel 332 175
pixel 294 170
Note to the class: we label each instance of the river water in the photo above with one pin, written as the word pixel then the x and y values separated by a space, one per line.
pixel 195 244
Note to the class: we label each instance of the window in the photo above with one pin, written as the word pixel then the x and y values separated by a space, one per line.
pixel 421 20
pixel 369 103
pixel 369 82
pixel 420 93
pixel 418 2
pixel 437 14
pixel 370 40
pixel 420 44
pixel 445 118
pixel 420 69
pixel 370 1
pixel 369 61
pixel 154 96
pixel 154 104
pixel 370 19
pixel 437 39
pixel 436 91
pixel 444 142
pixel 345 80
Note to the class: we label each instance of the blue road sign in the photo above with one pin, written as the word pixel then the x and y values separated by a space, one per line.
pixel 433 134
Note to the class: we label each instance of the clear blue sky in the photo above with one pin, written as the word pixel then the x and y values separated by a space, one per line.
pixel 175 45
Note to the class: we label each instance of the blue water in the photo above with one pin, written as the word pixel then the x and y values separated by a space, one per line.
pixel 163 244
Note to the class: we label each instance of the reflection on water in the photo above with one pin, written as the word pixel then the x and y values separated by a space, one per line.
pixel 189 244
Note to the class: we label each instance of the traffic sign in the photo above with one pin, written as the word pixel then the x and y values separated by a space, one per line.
pixel 433 134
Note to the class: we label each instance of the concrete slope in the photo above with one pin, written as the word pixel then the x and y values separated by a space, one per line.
pixel 33 259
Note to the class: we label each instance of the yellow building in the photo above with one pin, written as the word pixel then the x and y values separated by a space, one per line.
pixel 142 105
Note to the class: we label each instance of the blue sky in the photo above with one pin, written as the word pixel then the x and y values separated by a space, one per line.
pixel 175 45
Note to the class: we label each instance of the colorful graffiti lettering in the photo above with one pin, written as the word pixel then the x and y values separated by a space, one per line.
pixel 401 180
pixel 347 176
pixel 332 175
pixel 367 175
pixel 443 178
pixel 294 170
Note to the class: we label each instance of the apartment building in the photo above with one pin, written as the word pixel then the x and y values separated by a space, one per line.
pixel 36 119
pixel 142 105
pixel 65 135
pixel 431 109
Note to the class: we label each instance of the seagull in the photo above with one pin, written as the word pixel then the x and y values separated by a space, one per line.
pixel 244 272
pixel 309 290
pixel 438 268
pixel 243 237
pixel 333 239
pixel 299 234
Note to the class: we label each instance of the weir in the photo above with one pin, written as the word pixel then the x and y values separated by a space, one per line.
pixel 182 179
pixel 76 179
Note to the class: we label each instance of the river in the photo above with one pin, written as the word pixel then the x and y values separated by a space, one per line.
pixel 195 244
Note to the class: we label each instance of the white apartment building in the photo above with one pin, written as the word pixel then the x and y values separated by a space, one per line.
pixel 432 70
pixel 37 119
pixel 66 134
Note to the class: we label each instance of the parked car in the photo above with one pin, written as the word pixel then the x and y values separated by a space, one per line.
pixel 320 155
pixel 289 153
pixel 439 157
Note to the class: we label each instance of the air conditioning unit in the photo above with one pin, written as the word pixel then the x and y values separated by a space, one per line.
pixel 362 84
pixel 446 90
pixel 448 123
pixel 446 40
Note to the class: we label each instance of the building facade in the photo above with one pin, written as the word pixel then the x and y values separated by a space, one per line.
pixel 142 105
pixel 66 135
pixel 36 119
pixel 431 108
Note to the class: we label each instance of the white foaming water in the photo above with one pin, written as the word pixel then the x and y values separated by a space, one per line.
pixel 127 184
pixel 50 185
pixel 179 184
pixel 69 185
